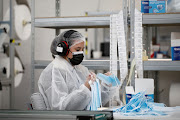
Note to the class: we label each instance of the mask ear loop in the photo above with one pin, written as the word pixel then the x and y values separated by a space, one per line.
pixel 91 83
pixel 118 87
pixel 99 85
pixel 116 81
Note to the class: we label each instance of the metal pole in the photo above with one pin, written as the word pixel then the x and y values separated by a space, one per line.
pixel 132 55
pixel 32 44
pixel 11 55
pixel 149 40
pixel 125 17
pixel 58 13
pixel 132 8
pixel 86 38
pixel 1 10
pixel 95 39
pixel 156 83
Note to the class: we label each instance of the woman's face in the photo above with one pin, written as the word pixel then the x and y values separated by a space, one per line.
pixel 76 48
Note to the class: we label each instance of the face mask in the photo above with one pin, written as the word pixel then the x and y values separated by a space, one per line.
pixel 95 96
pixel 77 58
pixel 109 80
pixel 138 105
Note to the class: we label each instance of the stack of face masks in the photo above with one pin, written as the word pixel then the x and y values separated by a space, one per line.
pixel 96 95
pixel 96 89
pixel 138 105
pixel 109 80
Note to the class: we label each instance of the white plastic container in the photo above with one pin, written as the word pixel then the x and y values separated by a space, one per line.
pixel 144 84
pixel 175 46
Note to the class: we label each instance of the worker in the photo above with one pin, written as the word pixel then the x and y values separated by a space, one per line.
pixel 64 83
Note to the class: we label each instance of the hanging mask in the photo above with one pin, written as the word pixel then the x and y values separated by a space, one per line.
pixel 77 58
pixel 96 96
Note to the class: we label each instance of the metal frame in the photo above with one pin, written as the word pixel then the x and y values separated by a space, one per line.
pixel 147 37
pixel 100 22
pixel 132 9
pixel 10 81
pixel 125 13
pixel 11 54
pixel 64 23
pixel 153 65
pixel 33 65
pixel 54 115
pixel 58 2
pixel 132 50
pixel 162 65
pixel 161 19
pixel 150 20
pixel 73 22
pixel 32 44
pixel 90 64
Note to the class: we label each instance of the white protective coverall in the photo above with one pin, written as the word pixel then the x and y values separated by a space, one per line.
pixel 62 86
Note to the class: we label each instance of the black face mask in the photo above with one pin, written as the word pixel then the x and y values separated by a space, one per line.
pixel 77 59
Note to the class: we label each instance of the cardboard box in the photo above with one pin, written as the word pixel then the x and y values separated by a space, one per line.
pixel 153 6
pixel 175 46
pixel 145 84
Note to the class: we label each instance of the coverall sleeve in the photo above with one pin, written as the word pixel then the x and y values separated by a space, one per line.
pixel 63 100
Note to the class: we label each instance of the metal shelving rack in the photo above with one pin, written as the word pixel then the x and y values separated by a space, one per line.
pixel 160 20
pixel 73 22
pixel 10 81
pixel 103 22
pixel 66 23
pixel 148 20
pixel 154 20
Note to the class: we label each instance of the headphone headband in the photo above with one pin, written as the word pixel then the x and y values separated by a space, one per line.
pixel 63 47
pixel 69 33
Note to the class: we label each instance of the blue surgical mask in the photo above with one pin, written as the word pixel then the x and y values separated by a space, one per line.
pixel 109 80
pixel 139 105
pixel 95 95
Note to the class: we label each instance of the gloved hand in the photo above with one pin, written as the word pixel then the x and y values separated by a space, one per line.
pixel 108 74
pixel 90 79
pixel 109 79
pixel 104 84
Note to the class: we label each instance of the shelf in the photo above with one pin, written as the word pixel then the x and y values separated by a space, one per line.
pixel 162 65
pixel 90 64
pixel 73 22
pixel 4 22
pixel 104 65
pixel 161 19
pixel 102 21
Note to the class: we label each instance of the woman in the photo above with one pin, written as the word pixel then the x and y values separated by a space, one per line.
pixel 64 83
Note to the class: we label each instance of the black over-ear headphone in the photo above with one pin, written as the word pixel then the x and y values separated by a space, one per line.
pixel 63 47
